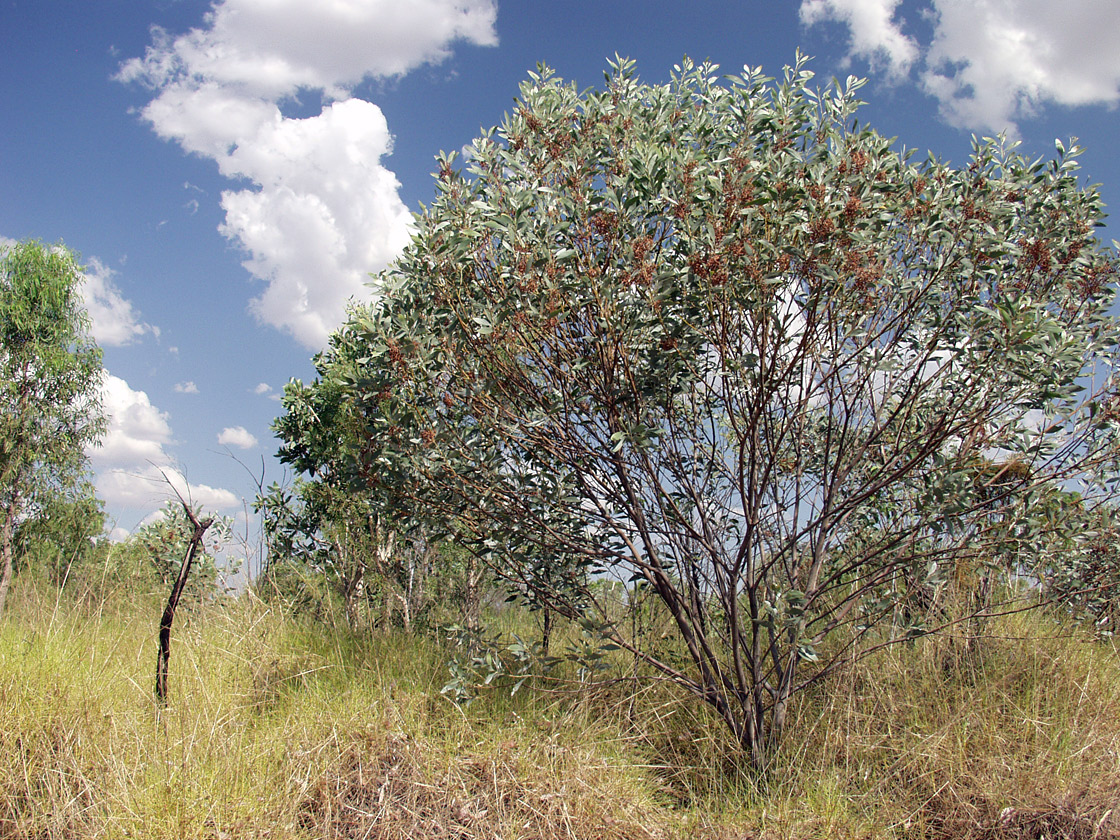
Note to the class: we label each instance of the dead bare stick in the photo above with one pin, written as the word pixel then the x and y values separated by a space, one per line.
pixel 198 530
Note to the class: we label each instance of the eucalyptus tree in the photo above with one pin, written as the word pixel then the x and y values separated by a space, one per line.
pixel 50 376
pixel 340 522
pixel 715 337
pixel 321 525
pixel 62 538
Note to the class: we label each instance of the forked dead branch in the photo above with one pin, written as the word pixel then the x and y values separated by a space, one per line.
pixel 198 531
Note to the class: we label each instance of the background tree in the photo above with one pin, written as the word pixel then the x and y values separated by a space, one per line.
pixel 50 374
pixel 62 538
pixel 715 337
pixel 1081 574
pixel 337 525
pixel 165 541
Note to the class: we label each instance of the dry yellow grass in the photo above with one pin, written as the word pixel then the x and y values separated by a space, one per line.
pixel 287 730
pixel 282 730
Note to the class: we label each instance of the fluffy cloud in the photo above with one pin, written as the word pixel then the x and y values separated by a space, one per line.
pixel 322 211
pixel 326 213
pixel 278 47
pixel 186 388
pixel 237 436
pixel 874 33
pixel 132 464
pixel 114 322
pixel 262 389
pixel 992 62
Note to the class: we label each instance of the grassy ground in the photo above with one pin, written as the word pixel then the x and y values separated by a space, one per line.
pixel 286 730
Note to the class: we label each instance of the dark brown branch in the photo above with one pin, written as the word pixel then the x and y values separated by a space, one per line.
pixel 198 529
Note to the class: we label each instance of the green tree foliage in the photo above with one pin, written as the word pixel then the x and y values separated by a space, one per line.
pixel 337 525
pixel 323 527
pixel 163 543
pixel 715 338
pixel 1081 574
pixel 62 538
pixel 50 373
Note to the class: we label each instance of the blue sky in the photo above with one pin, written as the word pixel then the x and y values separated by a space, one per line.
pixel 230 171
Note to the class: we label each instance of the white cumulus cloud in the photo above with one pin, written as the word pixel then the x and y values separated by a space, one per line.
pixel 186 388
pixel 237 436
pixel 991 63
pixel 875 34
pixel 132 464
pixel 114 322
pixel 322 211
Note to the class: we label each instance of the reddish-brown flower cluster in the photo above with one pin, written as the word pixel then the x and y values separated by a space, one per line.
pixel 853 209
pixel 605 224
pixel 1071 253
pixel 687 179
pixel 642 276
pixel 867 277
pixel 1036 255
pixel 428 436
pixel 821 228
pixel 915 210
pixel 531 119
pixel 396 358
pixel 754 269
pixel 709 267
pixel 642 246
pixel 395 355
pixel 1090 284
pixel 974 211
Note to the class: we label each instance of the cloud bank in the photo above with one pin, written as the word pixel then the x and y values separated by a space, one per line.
pixel 323 211
pixel 875 36
pixel 133 465
pixel 990 63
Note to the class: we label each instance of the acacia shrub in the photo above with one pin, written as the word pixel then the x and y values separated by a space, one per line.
pixel 714 337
